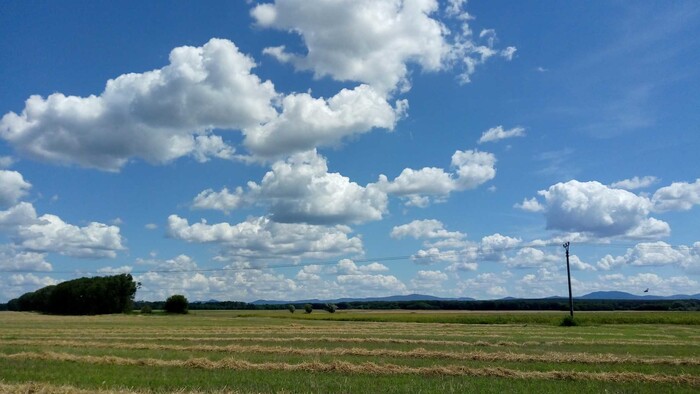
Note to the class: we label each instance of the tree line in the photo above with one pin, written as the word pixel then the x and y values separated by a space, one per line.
pixel 82 296
pixel 547 304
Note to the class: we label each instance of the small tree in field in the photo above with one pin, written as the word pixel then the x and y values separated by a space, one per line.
pixel 291 308
pixel 330 308
pixel 308 308
pixel 176 304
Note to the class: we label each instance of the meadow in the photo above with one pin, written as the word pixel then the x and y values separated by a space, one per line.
pixel 350 351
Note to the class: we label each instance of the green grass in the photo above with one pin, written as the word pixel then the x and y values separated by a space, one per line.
pixel 285 339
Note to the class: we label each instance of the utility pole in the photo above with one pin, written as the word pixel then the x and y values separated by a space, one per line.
pixel 568 273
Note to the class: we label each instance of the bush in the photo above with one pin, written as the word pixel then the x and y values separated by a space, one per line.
pixel 291 308
pixel 330 308
pixel 146 309
pixel 176 304
pixel 568 321
pixel 308 308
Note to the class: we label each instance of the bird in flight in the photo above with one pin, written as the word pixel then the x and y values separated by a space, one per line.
pixel 647 290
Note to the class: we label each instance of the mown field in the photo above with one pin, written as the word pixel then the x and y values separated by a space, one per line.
pixel 351 351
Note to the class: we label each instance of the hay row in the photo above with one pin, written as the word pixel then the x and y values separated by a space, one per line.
pixel 47 388
pixel 419 353
pixel 380 340
pixel 365 368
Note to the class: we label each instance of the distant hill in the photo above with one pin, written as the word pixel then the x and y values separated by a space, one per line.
pixel 621 295
pixel 395 298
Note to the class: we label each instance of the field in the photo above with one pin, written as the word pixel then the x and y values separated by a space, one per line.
pixel 350 351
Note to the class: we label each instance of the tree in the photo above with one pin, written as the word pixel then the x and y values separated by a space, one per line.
pixel 291 308
pixel 308 308
pixel 176 304
pixel 330 308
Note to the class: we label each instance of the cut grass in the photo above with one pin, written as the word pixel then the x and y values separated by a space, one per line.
pixel 211 351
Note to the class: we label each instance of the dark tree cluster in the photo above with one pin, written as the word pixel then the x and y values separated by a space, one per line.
pixel 83 296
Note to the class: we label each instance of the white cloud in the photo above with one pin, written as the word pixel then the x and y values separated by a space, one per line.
pixel 498 133
pixel 637 283
pixel 6 162
pixel 455 267
pixel 532 258
pixel 12 187
pixel 12 259
pixel 422 229
pixel 48 233
pixel 367 41
pixel 366 284
pixel 150 226
pixel 472 168
pixel 374 41
pixel 19 284
pixel 124 269
pixel 655 254
pixel 307 122
pixel 223 200
pixel 428 280
pixel 262 238
pixel 530 205
pixel 155 115
pixel 301 190
pixel 635 183
pixel 593 208
pixel 679 196
pixel 493 247
pixel 208 146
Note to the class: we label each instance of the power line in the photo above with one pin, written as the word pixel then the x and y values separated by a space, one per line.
pixel 430 256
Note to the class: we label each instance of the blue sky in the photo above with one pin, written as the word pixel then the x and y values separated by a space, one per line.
pixel 320 149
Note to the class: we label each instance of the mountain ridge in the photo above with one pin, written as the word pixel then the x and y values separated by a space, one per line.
pixel 596 295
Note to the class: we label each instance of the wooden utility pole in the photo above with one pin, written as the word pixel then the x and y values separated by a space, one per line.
pixel 568 273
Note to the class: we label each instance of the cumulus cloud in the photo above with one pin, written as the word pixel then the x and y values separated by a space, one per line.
pixel 368 284
pixel 655 254
pixel 498 133
pixel 530 205
pixel 223 200
pixel 595 209
pixel 262 238
pixel 12 187
pixel 301 190
pixel 637 283
pixel 48 233
pixel 366 41
pixel 471 169
pixel 19 284
pixel 12 259
pixel 428 280
pixel 374 41
pixel 635 183
pixel 155 115
pixel 307 122
pixel 679 196
pixel 422 229
pixel 493 247
pixel 6 162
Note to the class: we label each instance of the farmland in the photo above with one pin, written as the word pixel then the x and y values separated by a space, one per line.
pixel 350 351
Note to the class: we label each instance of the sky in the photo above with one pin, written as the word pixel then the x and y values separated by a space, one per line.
pixel 302 149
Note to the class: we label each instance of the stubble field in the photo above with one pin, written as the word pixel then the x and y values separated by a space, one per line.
pixel 350 351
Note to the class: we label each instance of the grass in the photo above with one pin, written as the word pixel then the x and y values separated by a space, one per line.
pixel 351 351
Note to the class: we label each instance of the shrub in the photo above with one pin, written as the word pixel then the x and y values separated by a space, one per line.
pixel 291 308
pixel 308 308
pixel 568 321
pixel 146 309
pixel 176 304
pixel 330 308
